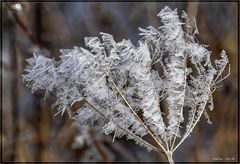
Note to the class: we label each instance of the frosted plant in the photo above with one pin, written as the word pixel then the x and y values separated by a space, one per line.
pixel 125 84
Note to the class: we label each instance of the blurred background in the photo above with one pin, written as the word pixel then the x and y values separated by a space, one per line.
pixel 31 132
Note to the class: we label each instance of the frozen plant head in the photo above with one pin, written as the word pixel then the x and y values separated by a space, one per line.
pixel 118 82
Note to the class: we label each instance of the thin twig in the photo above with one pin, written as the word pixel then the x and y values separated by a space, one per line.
pixel 184 89
pixel 135 114
pixel 220 80
pixel 215 81
pixel 125 129
pixel 191 128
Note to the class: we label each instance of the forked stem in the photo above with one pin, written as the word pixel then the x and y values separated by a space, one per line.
pixel 158 141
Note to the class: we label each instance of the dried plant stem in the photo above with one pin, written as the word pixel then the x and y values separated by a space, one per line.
pixel 169 157
pixel 125 129
pixel 191 128
pixel 159 142
pixel 184 89
pixel 216 81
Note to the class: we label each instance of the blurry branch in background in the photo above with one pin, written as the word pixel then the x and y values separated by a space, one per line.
pixel 99 146
pixel 17 15
pixel 14 84
pixel 15 98
pixel 16 10
pixel 21 24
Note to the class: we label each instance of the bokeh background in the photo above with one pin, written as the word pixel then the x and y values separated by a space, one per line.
pixel 31 132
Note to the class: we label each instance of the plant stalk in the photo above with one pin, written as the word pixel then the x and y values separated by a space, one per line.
pixel 170 157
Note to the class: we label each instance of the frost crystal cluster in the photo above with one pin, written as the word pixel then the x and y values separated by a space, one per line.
pixel 126 84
